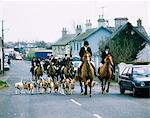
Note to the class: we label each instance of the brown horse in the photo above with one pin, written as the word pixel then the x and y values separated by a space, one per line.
pixel 38 72
pixel 52 71
pixel 87 72
pixel 68 70
pixel 105 73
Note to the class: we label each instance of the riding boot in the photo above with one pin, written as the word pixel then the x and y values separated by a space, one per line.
pixel 94 69
pixel 79 69
pixel 98 72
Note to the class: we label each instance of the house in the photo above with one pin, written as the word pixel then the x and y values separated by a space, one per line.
pixel 138 36
pixel 61 46
pixel 94 36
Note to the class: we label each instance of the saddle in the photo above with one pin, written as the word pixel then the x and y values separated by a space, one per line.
pixel 79 69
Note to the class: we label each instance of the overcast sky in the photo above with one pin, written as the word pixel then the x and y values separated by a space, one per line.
pixel 44 20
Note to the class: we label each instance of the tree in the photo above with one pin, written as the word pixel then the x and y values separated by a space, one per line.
pixel 125 46
pixel 41 44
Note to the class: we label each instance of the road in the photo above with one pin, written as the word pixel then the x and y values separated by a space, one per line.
pixel 111 105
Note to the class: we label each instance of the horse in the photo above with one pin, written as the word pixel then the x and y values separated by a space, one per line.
pixel 87 72
pixel 105 73
pixel 38 72
pixel 52 71
pixel 67 75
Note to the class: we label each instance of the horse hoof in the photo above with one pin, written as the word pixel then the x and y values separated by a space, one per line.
pixel 107 91
pixel 85 93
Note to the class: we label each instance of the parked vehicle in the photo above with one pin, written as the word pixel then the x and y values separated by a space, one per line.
pixel 76 61
pixel 135 78
pixel 6 66
pixel 42 54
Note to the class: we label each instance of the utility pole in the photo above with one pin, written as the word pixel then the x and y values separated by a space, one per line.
pixel 3 45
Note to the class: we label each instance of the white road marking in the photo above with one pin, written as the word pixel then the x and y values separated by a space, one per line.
pixel 97 116
pixel 75 102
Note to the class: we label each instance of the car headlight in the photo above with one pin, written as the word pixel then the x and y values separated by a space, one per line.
pixel 142 84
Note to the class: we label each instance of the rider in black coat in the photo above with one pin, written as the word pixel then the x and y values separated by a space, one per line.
pixel 84 49
pixel 104 54
pixel 82 52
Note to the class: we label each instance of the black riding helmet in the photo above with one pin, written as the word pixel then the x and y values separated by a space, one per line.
pixel 106 47
pixel 86 43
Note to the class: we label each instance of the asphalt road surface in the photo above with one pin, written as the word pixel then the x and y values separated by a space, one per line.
pixel 111 105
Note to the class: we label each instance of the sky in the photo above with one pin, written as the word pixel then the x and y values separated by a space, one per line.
pixel 43 20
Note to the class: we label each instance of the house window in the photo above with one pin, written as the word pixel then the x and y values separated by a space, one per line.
pixel 74 46
pixel 77 46
pixel 80 44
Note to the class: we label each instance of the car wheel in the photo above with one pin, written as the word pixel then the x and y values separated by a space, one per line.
pixel 134 92
pixel 121 89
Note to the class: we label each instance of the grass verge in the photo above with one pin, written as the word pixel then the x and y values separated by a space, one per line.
pixel 3 84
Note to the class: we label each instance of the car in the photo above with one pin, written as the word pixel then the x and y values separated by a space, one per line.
pixel 6 66
pixel 135 78
pixel 75 61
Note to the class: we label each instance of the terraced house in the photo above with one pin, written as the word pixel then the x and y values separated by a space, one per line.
pixel 71 43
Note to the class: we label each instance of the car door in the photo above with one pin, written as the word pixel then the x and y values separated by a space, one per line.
pixel 129 79
pixel 124 79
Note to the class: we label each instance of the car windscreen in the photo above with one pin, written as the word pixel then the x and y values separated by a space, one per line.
pixel 141 71
pixel 76 59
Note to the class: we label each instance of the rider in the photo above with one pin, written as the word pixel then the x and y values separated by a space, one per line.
pixel 81 54
pixel 65 60
pixel 33 65
pixel 105 53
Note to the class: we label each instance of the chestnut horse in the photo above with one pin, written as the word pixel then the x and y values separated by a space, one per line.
pixel 52 71
pixel 38 72
pixel 105 73
pixel 87 72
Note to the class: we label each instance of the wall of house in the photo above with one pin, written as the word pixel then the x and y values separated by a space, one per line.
pixel 75 48
pixel 95 39
pixel 144 55
pixel 60 51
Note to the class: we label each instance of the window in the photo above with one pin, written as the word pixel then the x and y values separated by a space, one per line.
pixel 77 46
pixel 74 46
pixel 130 71
pixel 125 71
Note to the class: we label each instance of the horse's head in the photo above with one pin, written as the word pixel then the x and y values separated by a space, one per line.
pixel 86 56
pixel 108 59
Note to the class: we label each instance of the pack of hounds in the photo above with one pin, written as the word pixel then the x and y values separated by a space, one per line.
pixel 47 85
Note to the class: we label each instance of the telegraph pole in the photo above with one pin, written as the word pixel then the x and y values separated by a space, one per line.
pixel 3 45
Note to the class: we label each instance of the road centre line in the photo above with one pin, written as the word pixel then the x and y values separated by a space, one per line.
pixel 75 102
pixel 97 116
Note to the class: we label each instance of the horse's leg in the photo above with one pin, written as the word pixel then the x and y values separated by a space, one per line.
pixel 81 85
pixel 85 93
pixel 102 86
pixel 108 86
pixel 90 87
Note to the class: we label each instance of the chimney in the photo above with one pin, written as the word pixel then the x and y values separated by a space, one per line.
pixel 88 24
pixel 64 32
pixel 78 29
pixel 139 23
pixel 101 21
pixel 120 21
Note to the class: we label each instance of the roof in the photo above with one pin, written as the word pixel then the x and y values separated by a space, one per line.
pixel 64 40
pixel 141 31
pixel 90 32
